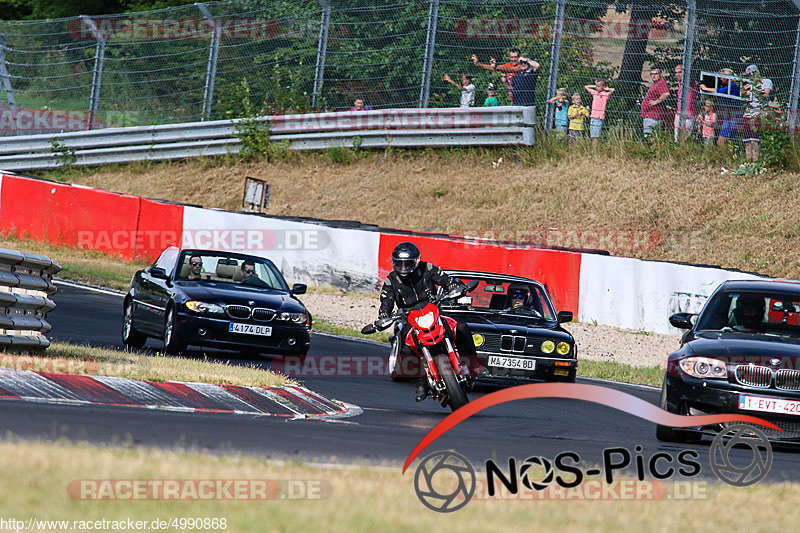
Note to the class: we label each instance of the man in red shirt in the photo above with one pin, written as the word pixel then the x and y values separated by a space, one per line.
pixel 654 110
pixel 509 70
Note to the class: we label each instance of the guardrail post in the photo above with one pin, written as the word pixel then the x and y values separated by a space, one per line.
pixel 688 50
pixel 430 45
pixel 322 50
pixel 795 87
pixel 97 75
pixel 555 57
pixel 4 75
pixel 213 54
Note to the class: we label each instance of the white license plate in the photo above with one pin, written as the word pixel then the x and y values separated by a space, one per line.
pixel 769 405
pixel 250 329
pixel 512 362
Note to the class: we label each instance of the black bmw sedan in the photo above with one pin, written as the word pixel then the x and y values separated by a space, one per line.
pixel 217 299
pixel 740 355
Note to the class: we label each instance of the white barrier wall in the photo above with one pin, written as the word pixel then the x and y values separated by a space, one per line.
pixel 304 252
pixel 636 294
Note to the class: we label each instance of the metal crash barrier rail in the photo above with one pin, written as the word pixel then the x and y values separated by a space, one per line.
pixel 25 287
pixel 312 131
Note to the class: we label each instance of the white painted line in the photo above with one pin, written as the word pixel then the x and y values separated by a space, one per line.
pixel 90 288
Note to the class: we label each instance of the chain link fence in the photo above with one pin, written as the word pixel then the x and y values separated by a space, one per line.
pixel 226 59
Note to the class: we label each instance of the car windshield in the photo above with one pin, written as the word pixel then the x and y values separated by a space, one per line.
pixel 761 313
pixel 207 267
pixel 494 295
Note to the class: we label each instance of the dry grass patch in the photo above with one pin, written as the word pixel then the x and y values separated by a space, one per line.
pixel 360 499
pixel 704 216
pixel 68 358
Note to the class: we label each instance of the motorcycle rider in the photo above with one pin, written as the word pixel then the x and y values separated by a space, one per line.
pixel 412 282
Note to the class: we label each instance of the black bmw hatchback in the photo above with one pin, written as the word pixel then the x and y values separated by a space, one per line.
pixel 216 299
pixel 740 355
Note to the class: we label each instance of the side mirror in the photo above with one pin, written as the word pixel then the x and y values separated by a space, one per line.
pixel 158 273
pixel 564 316
pixel 299 288
pixel 369 329
pixel 681 320
pixel 472 284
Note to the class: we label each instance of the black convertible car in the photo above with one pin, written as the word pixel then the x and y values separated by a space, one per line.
pixel 218 299
pixel 740 355
pixel 516 330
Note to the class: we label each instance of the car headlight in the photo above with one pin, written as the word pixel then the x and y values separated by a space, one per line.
pixel 704 367
pixel 548 346
pixel 478 339
pixel 425 321
pixel 204 307
pixel 562 348
pixel 296 318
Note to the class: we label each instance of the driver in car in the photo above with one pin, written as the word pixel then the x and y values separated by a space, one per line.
pixel 749 313
pixel 195 268
pixel 248 270
pixel 412 282
pixel 517 297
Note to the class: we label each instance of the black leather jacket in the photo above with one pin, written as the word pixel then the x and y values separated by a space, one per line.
pixel 415 288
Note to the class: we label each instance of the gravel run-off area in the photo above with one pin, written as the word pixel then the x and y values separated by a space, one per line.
pixel 595 342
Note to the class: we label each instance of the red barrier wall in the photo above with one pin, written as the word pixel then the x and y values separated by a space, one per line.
pixel 559 271
pixel 88 218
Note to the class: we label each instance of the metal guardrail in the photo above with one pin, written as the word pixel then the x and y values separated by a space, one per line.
pixel 25 284
pixel 484 126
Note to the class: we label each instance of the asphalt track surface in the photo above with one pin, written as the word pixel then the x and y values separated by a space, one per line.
pixel 389 427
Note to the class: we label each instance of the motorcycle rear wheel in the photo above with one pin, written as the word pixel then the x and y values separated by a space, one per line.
pixel 456 396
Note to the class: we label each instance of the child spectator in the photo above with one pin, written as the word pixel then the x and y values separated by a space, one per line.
pixel 708 122
pixel 600 94
pixel 577 114
pixel 467 89
pixel 562 107
pixel 491 100
pixel 358 105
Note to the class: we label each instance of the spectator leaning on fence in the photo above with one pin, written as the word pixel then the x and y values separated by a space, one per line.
pixel 491 100
pixel 654 110
pixel 708 123
pixel 600 94
pixel 358 105
pixel 757 92
pixel 577 114
pixel 508 70
pixel 562 110
pixel 524 88
pixel 688 125
pixel 467 89
pixel 727 107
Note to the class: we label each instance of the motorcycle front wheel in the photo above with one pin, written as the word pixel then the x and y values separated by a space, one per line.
pixel 456 397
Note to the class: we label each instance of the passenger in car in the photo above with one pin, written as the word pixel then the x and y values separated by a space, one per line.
pixel 195 268
pixel 749 313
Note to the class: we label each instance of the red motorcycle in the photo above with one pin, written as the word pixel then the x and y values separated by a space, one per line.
pixel 432 338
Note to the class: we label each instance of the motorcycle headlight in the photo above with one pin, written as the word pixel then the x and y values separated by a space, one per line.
pixel 204 307
pixel 562 348
pixel 704 367
pixel 548 346
pixel 425 321
pixel 478 339
pixel 295 318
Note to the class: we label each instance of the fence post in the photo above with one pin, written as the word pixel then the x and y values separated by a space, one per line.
pixel 12 102
pixel 555 57
pixel 97 75
pixel 322 50
pixel 795 87
pixel 211 71
pixel 430 44
pixel 688 50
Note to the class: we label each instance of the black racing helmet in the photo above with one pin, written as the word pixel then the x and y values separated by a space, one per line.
pixel 749 310
pixel 405 258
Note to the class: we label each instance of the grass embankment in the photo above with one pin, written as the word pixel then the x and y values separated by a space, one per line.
pixel 355 499
pixel 63 357
pixel 704 214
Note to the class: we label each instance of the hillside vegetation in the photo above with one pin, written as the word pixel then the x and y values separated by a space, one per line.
pixel 701 210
